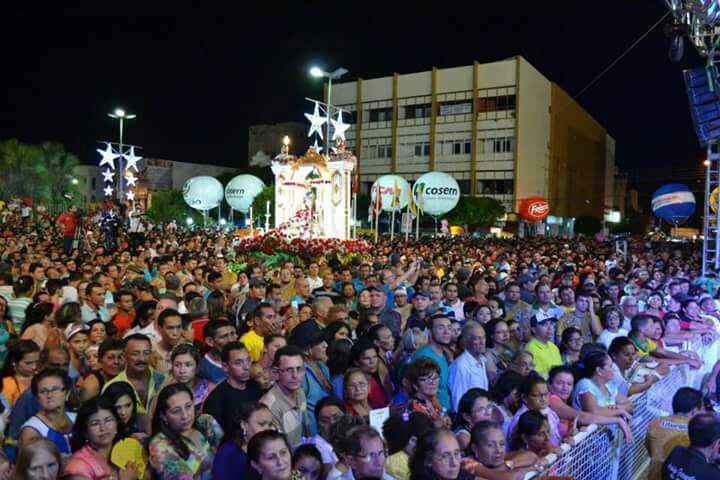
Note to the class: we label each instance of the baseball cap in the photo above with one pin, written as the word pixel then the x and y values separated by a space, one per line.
pixel 257 283
pixel 401 291
pixel 535 320
pixel 525 278
pixel 74 329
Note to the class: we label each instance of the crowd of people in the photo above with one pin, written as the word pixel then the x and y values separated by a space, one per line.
pixel 154 356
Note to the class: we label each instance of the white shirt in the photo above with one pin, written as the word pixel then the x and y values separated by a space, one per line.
pixel 149 330
pixel 465 373
pixel 314 282
pixel 606 337
pixel 458 309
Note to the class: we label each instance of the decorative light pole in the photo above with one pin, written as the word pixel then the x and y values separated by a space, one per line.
pixel 121 115
pixel 318 72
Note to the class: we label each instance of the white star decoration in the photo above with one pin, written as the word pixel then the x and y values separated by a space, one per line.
pixel 108 191
pixel 130 179
pixel 108 156
pixel 339 127
pixel 317 147
pixel 108 176
pixel 130 195
pixel 131 160
pixel 316 121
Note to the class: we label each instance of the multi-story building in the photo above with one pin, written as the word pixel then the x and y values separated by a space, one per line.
pixel 501 129
pixel 264 141
pixel 155 174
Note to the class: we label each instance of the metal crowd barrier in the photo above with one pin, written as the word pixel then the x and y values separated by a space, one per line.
pixel 601 453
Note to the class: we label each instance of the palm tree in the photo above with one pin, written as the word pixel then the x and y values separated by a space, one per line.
pixel 57 166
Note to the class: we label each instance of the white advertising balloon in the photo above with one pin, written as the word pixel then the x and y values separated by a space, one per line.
pixel 203 193
pixel 387 185
pixel 242 190
pixel 436 193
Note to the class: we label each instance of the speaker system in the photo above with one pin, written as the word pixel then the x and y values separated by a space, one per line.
pixel 702 92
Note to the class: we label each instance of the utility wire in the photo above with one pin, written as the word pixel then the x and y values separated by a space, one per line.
pixel 622 55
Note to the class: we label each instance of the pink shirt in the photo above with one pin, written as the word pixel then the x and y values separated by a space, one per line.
pixel 86 463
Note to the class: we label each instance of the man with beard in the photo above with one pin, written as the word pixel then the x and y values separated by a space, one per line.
pixel 144 380
pixel 439 338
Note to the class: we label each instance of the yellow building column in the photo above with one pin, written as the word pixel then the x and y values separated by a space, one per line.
pixel 433 116
pixel 395 116
pixel 517 134
pixel 473 134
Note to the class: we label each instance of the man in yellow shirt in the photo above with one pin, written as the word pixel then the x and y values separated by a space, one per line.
pixel 666 433
pixel 263 321
pixel 545 353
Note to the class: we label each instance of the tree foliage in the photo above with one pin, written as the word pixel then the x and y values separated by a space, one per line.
pixel 260 204
pixel 169 205
pixel 476 211
pixel 42 172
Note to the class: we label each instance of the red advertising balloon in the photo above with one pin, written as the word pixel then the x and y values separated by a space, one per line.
pixel 534 209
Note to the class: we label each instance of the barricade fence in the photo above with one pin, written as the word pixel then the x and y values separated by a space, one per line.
pixel 601 453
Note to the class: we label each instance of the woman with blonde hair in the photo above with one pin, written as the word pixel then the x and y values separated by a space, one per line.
pixel 39 459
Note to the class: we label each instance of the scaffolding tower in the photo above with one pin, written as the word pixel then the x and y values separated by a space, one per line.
pixel 711 232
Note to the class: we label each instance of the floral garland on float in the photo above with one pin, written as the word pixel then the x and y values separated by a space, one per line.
pixel 290 242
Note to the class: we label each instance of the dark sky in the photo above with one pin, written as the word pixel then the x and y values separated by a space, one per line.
pixel 198 78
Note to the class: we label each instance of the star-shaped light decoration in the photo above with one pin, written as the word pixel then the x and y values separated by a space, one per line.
pixel 130 195
pixel 316 121
pixel 108 191
pixel 316 147
pixel 131 160
pixel 108 176
pixel 339 127
pixel 108 156
pixel 130 179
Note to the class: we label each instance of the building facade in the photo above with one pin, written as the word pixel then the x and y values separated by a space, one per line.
pixel 155 174
pixel 264 141
pixel 501 129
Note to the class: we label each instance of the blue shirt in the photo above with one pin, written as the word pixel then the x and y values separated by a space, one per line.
pixel 443 394
pixel 314 392
pixel 230 463
pixel 211 371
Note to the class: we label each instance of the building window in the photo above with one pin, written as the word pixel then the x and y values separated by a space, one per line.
pixel 384 151
pixel 457 148
pixel 381 114
pixel 422 149
pixel 497 103
pixel 418 111
pixel 495 187
pixel 93 183
pixel 501 144
pixel 457 107
pixel 464 186
pixel 467 148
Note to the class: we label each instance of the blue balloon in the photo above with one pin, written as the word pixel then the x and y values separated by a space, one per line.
pixel 673 203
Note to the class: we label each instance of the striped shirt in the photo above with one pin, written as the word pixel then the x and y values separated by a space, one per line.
pixel 17 307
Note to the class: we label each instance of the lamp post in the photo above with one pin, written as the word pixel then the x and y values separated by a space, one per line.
pixel 318 72
pixel 121 115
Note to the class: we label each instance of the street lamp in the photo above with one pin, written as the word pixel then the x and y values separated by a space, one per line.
pixel 120 114
pixel 318 72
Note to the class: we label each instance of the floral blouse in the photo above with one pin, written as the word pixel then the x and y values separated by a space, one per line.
pixel 170 466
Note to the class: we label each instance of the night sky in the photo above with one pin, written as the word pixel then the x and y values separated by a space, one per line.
pixel 198 78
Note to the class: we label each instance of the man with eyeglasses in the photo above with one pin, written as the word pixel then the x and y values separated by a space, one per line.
pixel 366 455
pixel 226 400
pixel 286 399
